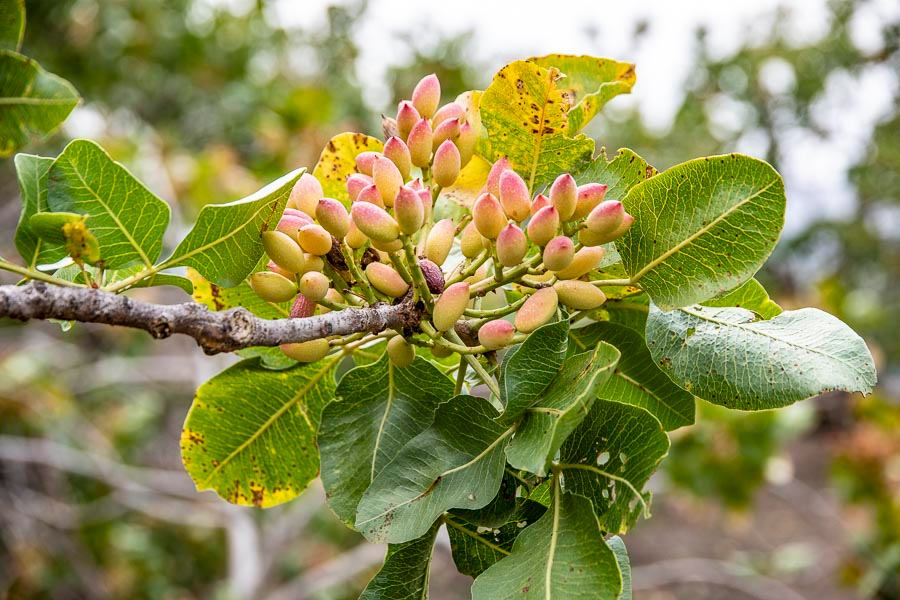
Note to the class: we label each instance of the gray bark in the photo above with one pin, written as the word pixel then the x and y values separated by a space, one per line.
pixel 215 332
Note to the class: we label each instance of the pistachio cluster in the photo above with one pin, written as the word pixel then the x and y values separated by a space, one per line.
pixel 540 249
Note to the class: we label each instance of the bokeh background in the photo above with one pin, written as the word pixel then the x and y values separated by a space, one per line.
pixel 205 100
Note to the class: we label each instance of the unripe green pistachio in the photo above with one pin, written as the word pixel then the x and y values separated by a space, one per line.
pixel 537 310
pixel 302 307
pixel 470 241
pixel 394 246
pixel 397 150
pixel 425 197
pixel 446 164
pixel 271 266
pixel 446 131
pixel 283 250
pixel 305 194
pixel 272 287
pixel 314 239
pixel 332 215
pixel 427 95
pixel 314 285
pixel 311 262
pixel 434 277
pixel 480 274
pixel 589 196
pixel 580 295
pixel 540 201
pixel 356 183
pixel 440 351
pixel 365 161
pixel 440 241
pixel 606 217
pixel 375 222
pixel 488 216
pixel 592 238
pixel 306 352
pixel 386 280
pixel 585 261
pixel 420 142
pixel 407 117
pixel 371 195
pixel 514 195
pixel 408 211
pixel 496 334
pixel 493 178
pixel 466 142
pixel 387 179
pixel 451 110
pixel 355 238
pixel 559 253
pixel 564 196
pixel 450 306
pixel 401 352
pixel 511 246
pixel 543 226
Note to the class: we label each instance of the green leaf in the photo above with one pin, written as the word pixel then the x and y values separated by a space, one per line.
pixel 476 547
pixel 637 380
pixel 610 457
pixel 12 24
pixel 33 102
pixel 618 547
pixel 702 227
pixel 31 172
pixel 561 408
pixel 525 114
pixel 338 161
pixel 225 243
pixel 455 463
pixel 404 575
pixel 378 408
pixel 629 312
pixel 725 356
pixel 250 434
pixel 531 366
pixel 499 510
pixel 623 172
pixel 128 219
pixel 561 556
pixel 589 82
pixel 750 295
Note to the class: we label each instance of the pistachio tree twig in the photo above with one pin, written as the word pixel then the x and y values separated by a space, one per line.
pixel 215 332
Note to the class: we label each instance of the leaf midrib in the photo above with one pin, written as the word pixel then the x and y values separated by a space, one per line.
pixel 115 218
pixel 703 230
pixel 456 469
pixel 32 101
pixel 387 410
pixel 275 416
pixel 746 327
pixel 173 261
pixel 554 538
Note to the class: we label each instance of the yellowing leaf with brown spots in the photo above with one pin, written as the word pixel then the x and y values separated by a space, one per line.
pixel 338 161
pixel 469 184
pixel 251 433
pixel 589 83
pixel 525 113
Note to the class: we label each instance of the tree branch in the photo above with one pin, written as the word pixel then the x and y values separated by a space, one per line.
pixel 215 332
